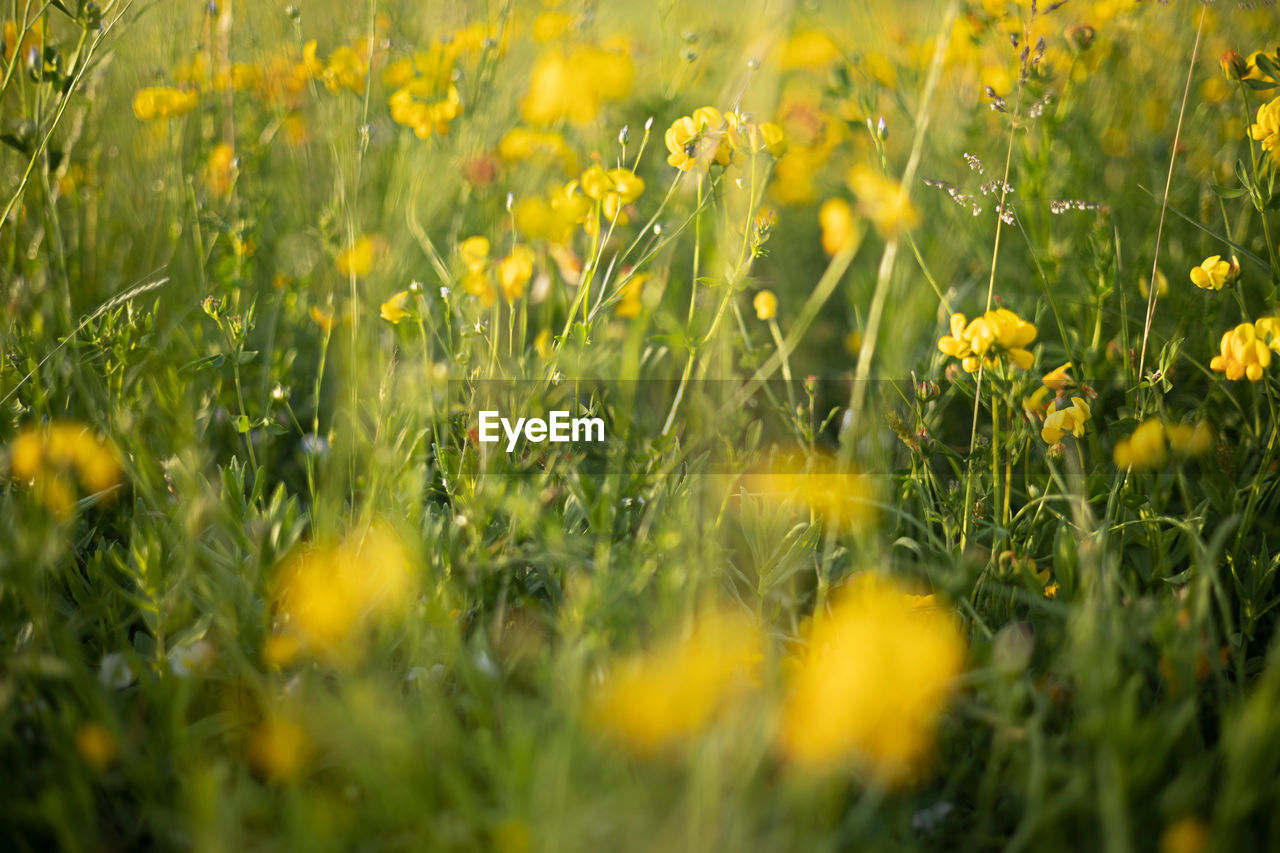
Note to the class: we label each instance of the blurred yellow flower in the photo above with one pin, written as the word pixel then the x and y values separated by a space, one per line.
pixel 278 749
pixel 843 498
pixel 1186 835
pixel 396 308
pixel 523 143
pixel 808 49
pixel 882 201
pixel 1145 448
pixel 1070 419
pixel 1242 354
pixel 629 305
pixel 984 340
pixel 325 595
pixel 1214 273
pixel 96 745
pixel 425 107
pixel 163 103
pixel 220 170
pixel 322 317
pixel 515 270
pixel 1162 285
pixel 835 217
pixel 766 305
pixel 357 260
pixel 575 85
pixel 55 457
pixel 871 683
pixel 652 700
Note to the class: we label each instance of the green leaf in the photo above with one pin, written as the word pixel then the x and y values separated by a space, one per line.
pixel 1260 84
pixel 215 360
pixel 242 423
pixel 1227 192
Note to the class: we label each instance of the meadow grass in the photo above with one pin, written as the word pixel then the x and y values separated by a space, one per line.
pixel 937 502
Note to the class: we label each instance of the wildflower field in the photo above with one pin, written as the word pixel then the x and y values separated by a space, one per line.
pixel 920 488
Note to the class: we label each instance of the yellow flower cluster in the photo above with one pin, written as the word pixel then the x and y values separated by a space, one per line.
pixel 1245 351
pixel 1068 419
pixel 325 596
pixel 1214 273
pixel 997 334
pixel 1149 445
pixel 710 136
pixel 650 701
pixel 419 105
pixel 614 189
pixel 53 458
pixel 874 678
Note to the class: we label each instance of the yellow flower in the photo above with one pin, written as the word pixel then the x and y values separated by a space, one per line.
pixel 1058 378
pixel 650 701
pixel 514 271
pixel 1267 128
pixel 357 260
pixel 54 458
pixel 325 595
pixel 835 217
pixel 1059 422
pixel 1145 448
pixel 1242 354
pixel 696 141
pixel 396 308
pixel 872 682
pixel 163 103
pixel 1214 273
pixel 883 201
pixel 766 305
pixel 999 333
pixel 278 749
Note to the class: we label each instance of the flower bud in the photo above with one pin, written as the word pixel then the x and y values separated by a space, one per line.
pixel 1081 37
pixel 1234 65
pixel 926 391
